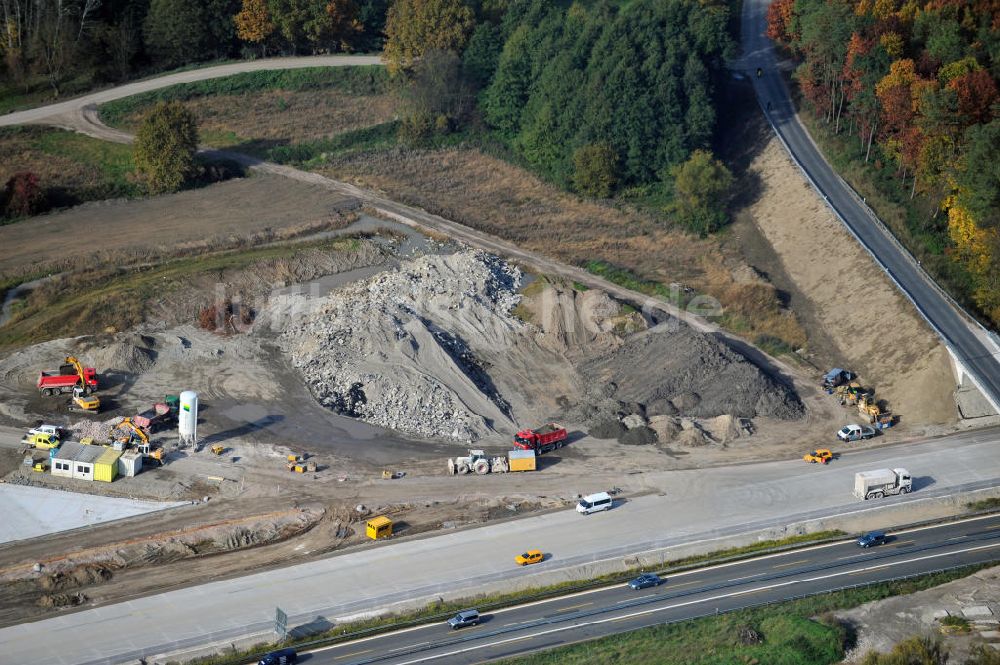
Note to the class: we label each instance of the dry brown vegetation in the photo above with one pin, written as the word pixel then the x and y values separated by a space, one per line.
pixel 172 286
pixel 281 116
pixel 494 196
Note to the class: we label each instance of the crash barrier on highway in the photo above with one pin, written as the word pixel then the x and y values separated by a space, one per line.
pixel 220 642
pixel 884 231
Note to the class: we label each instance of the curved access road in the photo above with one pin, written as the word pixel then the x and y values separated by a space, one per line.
pixel 969 343
pixel 52 113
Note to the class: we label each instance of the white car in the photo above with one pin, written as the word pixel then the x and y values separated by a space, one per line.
pixel 52 430
pixel 854 432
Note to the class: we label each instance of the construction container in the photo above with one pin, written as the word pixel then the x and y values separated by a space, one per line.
pixel 106 466
pixel 522 460
pixel 130 464
pixel 379 527
pixel 76 460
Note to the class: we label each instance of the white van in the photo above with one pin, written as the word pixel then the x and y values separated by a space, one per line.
pixel 594 503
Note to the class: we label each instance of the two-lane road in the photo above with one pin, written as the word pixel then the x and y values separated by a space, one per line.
pixel 969 342
pixel 601 612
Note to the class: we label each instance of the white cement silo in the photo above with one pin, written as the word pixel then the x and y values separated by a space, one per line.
pixel 187 417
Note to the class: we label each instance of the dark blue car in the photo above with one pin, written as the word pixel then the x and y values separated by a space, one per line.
pixel 645 581
pixel 280 657
pixel 871 539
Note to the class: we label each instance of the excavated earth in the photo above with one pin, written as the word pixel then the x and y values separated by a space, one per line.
pixel 434 349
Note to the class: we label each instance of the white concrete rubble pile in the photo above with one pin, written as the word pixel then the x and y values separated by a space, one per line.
pixel 400 349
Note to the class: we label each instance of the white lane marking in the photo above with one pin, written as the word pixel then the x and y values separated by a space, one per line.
pixel 745 577
pixel 672 576
pixel 551 631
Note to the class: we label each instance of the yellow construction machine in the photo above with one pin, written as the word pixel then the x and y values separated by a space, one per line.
pixel 133 435
pixel 82 401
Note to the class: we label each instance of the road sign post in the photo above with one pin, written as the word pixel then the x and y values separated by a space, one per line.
pixel 280 623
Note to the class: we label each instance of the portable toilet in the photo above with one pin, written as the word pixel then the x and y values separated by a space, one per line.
pixel 379 527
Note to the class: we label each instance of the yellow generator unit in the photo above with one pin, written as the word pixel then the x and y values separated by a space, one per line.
pixel 379 527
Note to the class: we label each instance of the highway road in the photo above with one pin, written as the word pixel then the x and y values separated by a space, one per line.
pixel 601 612
pixel 972 346
pixel 684 507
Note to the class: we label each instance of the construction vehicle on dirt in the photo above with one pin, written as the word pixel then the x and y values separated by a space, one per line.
pixel 81 401
pixel 127 433
pixel 477 461
pixel 850 393
pixel 69 376
pixel 547 437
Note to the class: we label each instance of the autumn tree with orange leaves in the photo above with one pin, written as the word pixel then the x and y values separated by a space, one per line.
pixel 915 84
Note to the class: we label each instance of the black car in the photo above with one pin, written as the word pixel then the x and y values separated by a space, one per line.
pixel 871 539
pixel 280 657
pixel 645 581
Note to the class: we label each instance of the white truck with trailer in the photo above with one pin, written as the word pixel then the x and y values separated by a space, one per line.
pixel 882 482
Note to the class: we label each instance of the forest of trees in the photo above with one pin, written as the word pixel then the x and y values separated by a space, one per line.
pixel 914 83
pixel 570 83
pixel 52 44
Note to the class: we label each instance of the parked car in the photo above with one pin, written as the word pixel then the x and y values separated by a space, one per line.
pixel 820 455
pixel 853 432
pixel 871 539
pixel 463 619
pixel 645 581
pixel 280 657
pixel 529 557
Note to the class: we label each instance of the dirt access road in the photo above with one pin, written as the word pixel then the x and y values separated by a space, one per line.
pixel 80 115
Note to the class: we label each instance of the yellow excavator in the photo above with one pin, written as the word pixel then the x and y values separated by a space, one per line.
pixel 133 435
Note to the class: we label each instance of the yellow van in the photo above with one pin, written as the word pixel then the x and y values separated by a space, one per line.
pixel 42 440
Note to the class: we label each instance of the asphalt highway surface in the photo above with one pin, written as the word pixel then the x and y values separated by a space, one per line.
pixel 601 612
pixel 970 343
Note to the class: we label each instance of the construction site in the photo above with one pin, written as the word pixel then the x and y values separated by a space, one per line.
pixel 412 378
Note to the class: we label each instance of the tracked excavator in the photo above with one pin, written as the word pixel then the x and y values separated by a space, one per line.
pixel 130 434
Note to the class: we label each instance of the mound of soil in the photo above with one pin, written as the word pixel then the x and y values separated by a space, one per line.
pixel 401 349
pixel 132 354
pixel 695 374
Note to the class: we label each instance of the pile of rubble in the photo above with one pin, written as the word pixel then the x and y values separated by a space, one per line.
pixel 402 349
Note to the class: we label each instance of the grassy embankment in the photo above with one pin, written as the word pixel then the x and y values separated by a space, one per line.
pixel 920 228
pixel 88 301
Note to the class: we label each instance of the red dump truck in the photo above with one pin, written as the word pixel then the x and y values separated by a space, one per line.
pixel 67 377
pixel 541 440
pixel 153 419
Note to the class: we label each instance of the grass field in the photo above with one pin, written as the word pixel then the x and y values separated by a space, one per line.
pixel 90 300
pixel 259 111
pixel 71 167
pixel 798 632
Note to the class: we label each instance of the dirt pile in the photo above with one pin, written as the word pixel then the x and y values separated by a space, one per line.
pixel 400 349
pixel 673 370
pixel 98 430
pixel 129 353
pixel 86 567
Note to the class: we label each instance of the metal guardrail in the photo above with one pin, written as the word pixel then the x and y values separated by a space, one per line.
pixel 264 629
pixel 880 226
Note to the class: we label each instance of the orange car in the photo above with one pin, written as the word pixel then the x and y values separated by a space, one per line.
pixel 823 456
pixel 531 556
